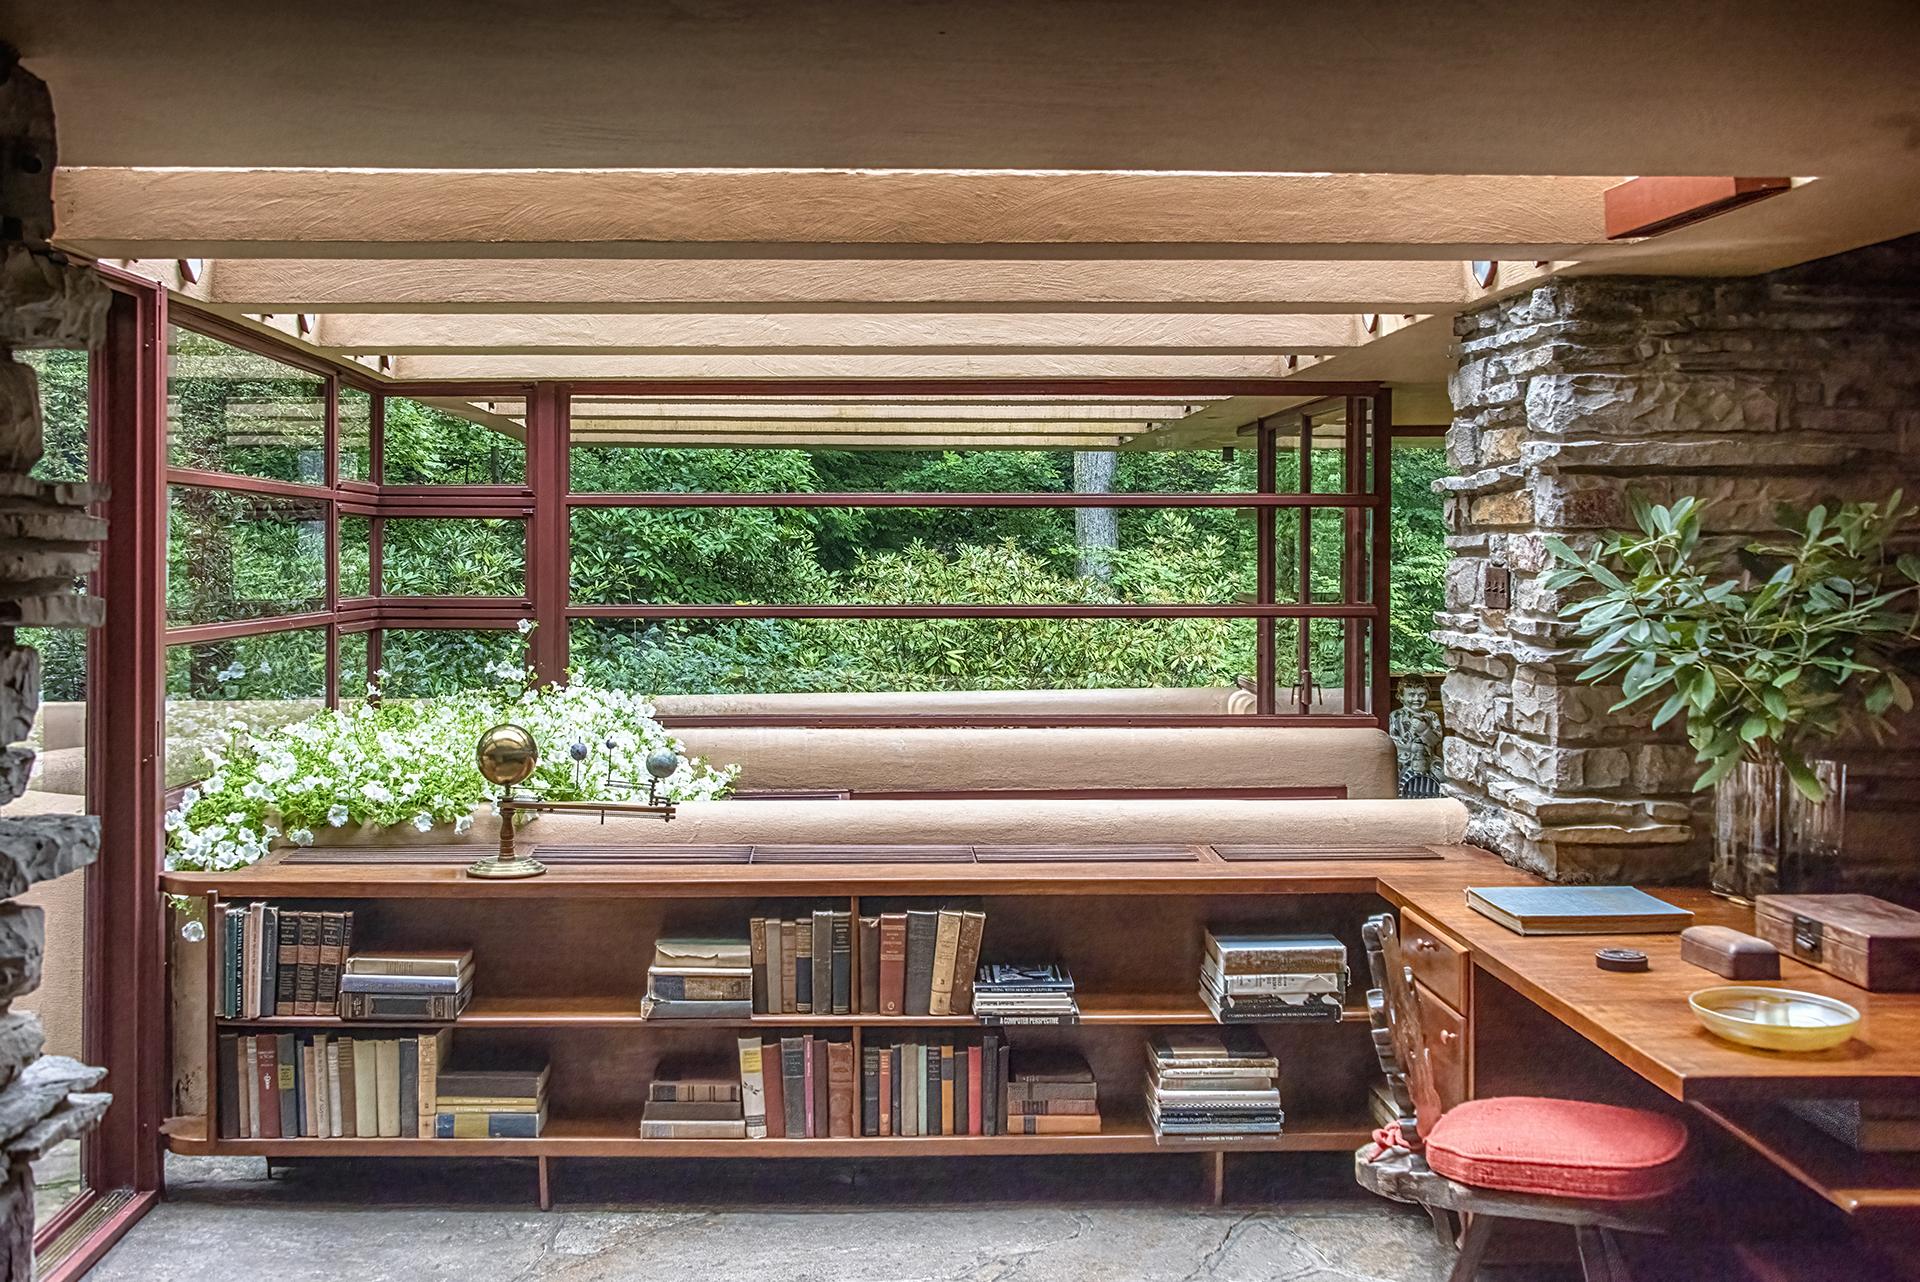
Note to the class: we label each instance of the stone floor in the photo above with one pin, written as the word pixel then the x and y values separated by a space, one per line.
pixel 1054 1221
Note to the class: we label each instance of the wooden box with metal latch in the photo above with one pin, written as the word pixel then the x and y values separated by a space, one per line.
pixel 1863 940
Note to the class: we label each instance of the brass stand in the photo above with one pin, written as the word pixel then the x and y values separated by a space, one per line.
pixel 508 864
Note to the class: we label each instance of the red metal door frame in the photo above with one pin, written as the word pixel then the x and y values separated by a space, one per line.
pixel 124 971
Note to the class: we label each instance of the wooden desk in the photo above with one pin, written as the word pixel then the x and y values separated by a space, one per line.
pixel 1643 1021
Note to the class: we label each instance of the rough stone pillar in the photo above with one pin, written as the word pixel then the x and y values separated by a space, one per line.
pixel 47 540
pixel 1789 388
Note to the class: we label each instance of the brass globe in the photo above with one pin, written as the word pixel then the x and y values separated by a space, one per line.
pixel 507 755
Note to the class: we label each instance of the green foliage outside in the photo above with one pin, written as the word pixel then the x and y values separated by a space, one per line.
pixel 1802 649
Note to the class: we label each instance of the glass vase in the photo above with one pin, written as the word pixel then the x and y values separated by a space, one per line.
pixel 1770 839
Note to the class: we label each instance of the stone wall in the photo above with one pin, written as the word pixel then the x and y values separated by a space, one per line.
pixel 1788 388
pixel 48 538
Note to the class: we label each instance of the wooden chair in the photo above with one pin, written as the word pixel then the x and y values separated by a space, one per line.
pixel 1601 1169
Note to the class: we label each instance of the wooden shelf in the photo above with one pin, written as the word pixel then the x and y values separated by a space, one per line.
pixel 620 1137
pixel 1857 1183
pixel 1143 1009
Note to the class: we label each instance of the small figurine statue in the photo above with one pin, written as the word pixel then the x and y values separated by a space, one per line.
pixel 1416 734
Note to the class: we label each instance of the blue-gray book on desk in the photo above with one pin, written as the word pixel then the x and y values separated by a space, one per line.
pixel 1578 910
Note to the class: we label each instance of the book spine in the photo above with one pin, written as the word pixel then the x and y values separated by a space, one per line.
pixel 336 1107
pixel 893 963
pixel 309 1114
pixel 333 955
pixel 822 961
pixel 946 950
pixel 1280 984
pixel 789 968
pixel 841 1088
pixel 757 951
pixel 822 1087
pixel 976 1063
pixel 702 988
pixel 888 1092
pixel 771 1085
pixel 451 966
pixel 488 1126
pixel 870 1090
pixel 250 963
pixel 411 984
pixel 868 955
pixel 961 1086
pixel 387 1082
pixel 403 1007
pixel 249 1087
pixel 429 1084
pixel 227 1086
pixel 286 963
pixel 1041 1124
pixel 1000 1082
pixel 409 1085
pixel 842 962
pixel 307 976
pixel 909 1075
pixel 1053 1107
pixel 269 959
pixel 360 1089
pixel 286 1063
pixel 931 1096
pixel 753 1091
pixel 947 1086
pixel 793 1085
pixel 990 1084
pixel 973 926
pixel 803 966
pixel 922 930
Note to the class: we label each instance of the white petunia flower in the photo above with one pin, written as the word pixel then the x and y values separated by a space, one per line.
pixel 423 821
pixel 336 816
pixel 300 836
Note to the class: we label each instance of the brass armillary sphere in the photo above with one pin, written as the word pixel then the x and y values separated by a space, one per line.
pixel 507 755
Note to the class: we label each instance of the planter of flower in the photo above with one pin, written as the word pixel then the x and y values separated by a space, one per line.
pixel 404 773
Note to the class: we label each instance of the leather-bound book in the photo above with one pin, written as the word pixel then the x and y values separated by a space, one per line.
pixel 773 1082
pixel 753 1091
pixel 973 926
pixel 923 928
pixel 893 963
pixel 990 1084
pixel 822 1088
pixel 335 936
pixel 228 1084
pixel 840 954
pixel 946 951
pixel 976 1061
pixel 870 1090
pixel 841 1089
pixel 757 951
pixel 822 961
pixel 776 998
pixel 961 1085
pixel 790 967
pixel 886 1090
pixel 932 1095
pixel 307 971
pixel 793 1085
pixel 867 954
pixel 286 964
pixel 803 993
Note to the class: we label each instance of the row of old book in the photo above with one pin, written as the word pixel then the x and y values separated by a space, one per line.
pixel 808 1087
pixel 1255 978
pixel 914 962
pixel 277 961
pixel 319 1086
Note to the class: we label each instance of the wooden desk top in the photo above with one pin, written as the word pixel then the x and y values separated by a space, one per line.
pixel 1641 1020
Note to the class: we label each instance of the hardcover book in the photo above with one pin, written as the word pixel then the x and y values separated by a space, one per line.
pixel 822 955
pixel 776 1002
pixel 869 950
pixel 923 928
pixel 803 966
pixel 771 1073
pixel 419 965
pixel 492 1126
pixel 893 963
pixel 841 961
pixel 1577 910
pixel 946 951
pixel 307 973
pixel 840 1103
pixel 793 1085
pixel 757 951
pixel 789 968
pixel 753 1093
pixel 973 927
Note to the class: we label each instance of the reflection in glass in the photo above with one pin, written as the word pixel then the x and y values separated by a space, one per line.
pixel 231 410
pixel 356 556
pixel 453 442
pixel 243 556
pixel 259 681
pixel 356 433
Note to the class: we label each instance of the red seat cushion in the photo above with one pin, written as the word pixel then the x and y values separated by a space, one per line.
pixel 1560 1148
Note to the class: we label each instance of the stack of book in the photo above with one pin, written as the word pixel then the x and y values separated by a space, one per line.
pixel 277 961
pixel 1249 978
pixel 317 1086
pixel 700 1099
pixel 415 987
pixel 492 1098
pixel 934 1086
pixel 1051 1092
pixel 1033 994
pixel 822 962
pixel 699 979
pixel 1200 1083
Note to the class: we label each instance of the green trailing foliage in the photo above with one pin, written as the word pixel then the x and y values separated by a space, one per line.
pixel 1805 647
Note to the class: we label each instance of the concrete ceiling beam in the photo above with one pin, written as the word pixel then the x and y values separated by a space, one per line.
pixel 368 213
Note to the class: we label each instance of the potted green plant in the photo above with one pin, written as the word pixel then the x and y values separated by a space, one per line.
pixel 1769 669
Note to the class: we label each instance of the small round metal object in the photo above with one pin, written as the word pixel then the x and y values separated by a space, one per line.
pixel 1621 959
pixel 578 752
pixel 662 762
pixel 507 755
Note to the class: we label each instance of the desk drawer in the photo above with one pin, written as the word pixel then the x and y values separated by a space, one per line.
pixel 1445 1031
pixel 1437 961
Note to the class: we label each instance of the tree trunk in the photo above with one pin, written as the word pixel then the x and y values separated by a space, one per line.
pixel 1096 530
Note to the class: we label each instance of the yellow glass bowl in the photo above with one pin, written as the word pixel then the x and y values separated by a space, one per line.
pixel 1775 1019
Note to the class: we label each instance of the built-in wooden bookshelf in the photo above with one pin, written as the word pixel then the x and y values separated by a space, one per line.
pixel 560 965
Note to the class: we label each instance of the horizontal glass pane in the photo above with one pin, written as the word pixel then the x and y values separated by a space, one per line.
pixel 610 469
pixel 356 434
pixel 1420 556
pixel 415 662
pixel 453 442
pixel 260 681
pixel 231 410
pixel 910 556
pixel 62 376
pixel 356 556
pixel 1193 661
pixel 243 556
pixel 445 556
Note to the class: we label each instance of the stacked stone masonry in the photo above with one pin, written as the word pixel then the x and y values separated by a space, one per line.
pixel 1750 393
pixel 48 540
